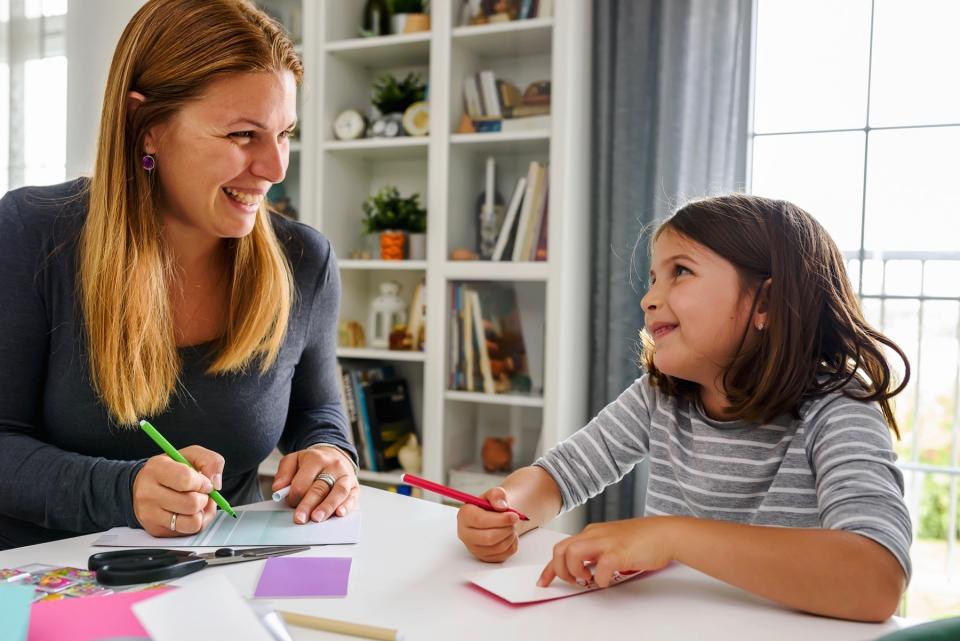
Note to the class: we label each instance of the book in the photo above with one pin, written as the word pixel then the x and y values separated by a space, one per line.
pixel 415 322
pixel 478 324
pixel 533 123
pixel 521 247
pixel 508 228
pixel 471 97
pixel 341 388
pixel 526 111
pixel 488 92
pixel 468 338
pixel 541 253
pixel 391 419
pixel 364 421
pixel 537 221
pixel 508 94
pixel 353 417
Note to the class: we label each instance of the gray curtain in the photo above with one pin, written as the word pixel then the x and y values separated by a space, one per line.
pixel 670 110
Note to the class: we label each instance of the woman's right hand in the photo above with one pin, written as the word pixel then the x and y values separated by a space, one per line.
pixel 489 536
pixel 164 487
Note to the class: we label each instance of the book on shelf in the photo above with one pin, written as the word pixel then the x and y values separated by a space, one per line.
pixel 530 210
pixel 486 124
pixel 374 425
pixel 504 246
pixel 471 97
pixel 490 97
pixel 492 334
pixel 391 419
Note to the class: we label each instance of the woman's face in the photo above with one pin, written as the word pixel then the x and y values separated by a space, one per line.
pixel 218 155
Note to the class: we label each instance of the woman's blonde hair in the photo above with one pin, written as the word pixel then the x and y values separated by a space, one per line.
pixel 169 52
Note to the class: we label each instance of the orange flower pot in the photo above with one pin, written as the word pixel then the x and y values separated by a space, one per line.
pixel 392 245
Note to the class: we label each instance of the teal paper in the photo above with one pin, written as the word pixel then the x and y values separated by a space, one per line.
pixel 15 611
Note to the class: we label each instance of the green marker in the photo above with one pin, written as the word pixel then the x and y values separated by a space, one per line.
pixel 172 452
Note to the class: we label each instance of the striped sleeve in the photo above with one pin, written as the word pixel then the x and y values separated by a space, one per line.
pixel 605 450
pixel 859 486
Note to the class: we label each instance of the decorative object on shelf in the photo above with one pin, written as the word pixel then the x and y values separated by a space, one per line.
pixel 466 125
pixel 376 19
pixel 463 253
pixel 349 124
pixel 497 454
pixel 389 126
pixel 360 254
pixel 392 96
pixel 537 93
pixel 410 16
pixel 386 312
pixel 410 455
pixel 350 334
pixel 392 244
pixel 389 213
pixel 416 119
pixel 400 339
pixel 504 11
pixel 490 213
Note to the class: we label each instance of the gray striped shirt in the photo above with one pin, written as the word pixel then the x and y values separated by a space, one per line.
pixel 833 468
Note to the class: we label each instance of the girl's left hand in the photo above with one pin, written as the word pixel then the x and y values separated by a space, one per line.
pixel 611 548
pixel 313 497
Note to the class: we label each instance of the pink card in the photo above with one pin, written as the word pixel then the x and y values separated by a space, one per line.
pixel 88 619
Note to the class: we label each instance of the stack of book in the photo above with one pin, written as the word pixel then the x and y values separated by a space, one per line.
pixel 487 352
pixel 492 104
pixel 377 404
pixel 523 235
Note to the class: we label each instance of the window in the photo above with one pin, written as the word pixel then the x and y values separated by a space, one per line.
pixel 857 120
pixel 33 92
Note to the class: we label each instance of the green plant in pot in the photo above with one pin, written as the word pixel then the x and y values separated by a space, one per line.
pixel 394 216
pixel 410 16
pixel 394 96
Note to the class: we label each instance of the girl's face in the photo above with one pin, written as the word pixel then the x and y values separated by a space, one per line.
pixel 695 310
pixel 218 155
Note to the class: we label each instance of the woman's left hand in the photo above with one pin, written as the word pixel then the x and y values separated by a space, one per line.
pixel 603 551
pixel 313 497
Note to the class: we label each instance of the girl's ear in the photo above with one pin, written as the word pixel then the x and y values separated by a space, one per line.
pixel 762 307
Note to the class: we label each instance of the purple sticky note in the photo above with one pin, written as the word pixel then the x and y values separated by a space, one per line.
pixel 289 576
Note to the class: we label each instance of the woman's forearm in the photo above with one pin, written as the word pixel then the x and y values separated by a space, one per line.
pixel 830 572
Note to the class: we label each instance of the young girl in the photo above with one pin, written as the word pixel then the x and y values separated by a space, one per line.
pixel 764 411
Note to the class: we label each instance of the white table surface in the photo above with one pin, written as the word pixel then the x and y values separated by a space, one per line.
pixel 408 570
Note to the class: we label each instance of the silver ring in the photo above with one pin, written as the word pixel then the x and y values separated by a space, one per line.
pixel 326 478
pixel 173 521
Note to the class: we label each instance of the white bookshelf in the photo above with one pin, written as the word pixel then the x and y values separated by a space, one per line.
pixel 333 178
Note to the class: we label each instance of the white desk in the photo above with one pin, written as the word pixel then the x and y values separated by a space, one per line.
pixel 407 574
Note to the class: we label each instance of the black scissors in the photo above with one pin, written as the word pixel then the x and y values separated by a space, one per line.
pixel 125 567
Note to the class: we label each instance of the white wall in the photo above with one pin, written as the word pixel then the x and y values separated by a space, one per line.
pixel 93 28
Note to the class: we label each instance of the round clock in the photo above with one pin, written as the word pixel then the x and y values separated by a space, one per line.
pixel 389 126
pixel 349 125
pixel 416 119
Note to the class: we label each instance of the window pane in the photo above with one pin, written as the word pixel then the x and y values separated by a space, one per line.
pixel 45 120
pixel 823 173
pixel 915 53
pixel 37 8
pixel 811 64
pixel 912 190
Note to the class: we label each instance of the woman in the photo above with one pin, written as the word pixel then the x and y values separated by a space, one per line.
pixel 162 288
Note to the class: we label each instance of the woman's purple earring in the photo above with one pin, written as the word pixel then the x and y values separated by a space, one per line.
pixel 149 163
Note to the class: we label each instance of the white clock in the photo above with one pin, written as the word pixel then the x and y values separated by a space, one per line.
pixel 349 125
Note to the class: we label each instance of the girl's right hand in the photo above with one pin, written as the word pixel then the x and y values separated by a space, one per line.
pixel 489 536
pixel 164 487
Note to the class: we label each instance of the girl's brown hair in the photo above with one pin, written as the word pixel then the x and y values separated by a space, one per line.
pixel 816 340
pixel 169 52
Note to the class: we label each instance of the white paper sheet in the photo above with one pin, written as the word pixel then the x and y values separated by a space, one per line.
pixel 209 608
pixel 518 584
pixel 253 527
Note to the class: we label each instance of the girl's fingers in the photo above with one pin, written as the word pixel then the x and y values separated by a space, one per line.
pixel 547 576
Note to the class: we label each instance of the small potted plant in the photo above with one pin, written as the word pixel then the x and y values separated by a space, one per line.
pixel 393 216
pixel 392 96
pixel 410 16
